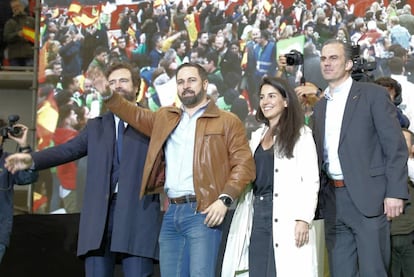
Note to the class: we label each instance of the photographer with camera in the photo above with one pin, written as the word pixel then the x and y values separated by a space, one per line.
pixel 17 133
pixel 309 93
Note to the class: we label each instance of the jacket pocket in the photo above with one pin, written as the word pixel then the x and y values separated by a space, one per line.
pixel 376 171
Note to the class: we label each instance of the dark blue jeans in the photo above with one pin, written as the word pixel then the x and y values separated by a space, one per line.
pixel 187 246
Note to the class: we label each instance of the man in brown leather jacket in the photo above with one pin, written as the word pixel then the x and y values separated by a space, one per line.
pixel 207 163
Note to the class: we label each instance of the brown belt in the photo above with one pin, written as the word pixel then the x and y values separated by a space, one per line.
pixel 183 199
pixel 337 183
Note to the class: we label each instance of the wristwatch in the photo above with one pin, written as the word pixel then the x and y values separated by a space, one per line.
pixel 227 201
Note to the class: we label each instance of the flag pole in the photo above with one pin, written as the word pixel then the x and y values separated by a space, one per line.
pixel 34 89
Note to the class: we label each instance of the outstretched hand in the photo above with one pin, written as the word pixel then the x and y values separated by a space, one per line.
pixel 18 161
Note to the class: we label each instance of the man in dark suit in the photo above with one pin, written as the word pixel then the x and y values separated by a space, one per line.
pixel 114 222
pixel 363 158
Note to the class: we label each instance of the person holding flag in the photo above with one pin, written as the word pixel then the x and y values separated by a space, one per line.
pixel 19 35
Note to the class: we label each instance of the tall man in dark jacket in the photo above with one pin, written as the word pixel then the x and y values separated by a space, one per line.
pixel 114 222
pixel 363 157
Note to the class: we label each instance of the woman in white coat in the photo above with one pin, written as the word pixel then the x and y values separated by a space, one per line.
pixel 282 240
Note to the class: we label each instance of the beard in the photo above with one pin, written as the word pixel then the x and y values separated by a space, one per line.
pixel 128 95
pixel 194 100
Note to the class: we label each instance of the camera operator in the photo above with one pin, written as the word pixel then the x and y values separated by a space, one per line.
pixel 308 92
pixel 17 133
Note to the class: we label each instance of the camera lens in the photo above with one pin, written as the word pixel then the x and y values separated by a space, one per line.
pixel 16 132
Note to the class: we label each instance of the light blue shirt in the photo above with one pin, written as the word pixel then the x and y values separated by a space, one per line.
pixel 335 108
pixel 179 155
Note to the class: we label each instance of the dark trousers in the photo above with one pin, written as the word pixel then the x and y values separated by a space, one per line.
pixel 357 245
pixel 101 263
pixel 402 255
pixel 261 254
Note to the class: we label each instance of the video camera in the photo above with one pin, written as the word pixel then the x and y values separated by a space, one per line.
pixel 15 131
pixel 361 66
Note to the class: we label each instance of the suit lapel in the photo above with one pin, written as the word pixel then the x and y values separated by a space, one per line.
pixel 320 125
pixel 349 111
pixel 108 123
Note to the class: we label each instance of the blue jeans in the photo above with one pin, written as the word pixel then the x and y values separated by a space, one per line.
pixel 187 246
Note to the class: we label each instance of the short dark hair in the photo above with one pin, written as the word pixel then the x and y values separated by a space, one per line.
pixel 348 50
pixel 99 50
pixel 397 50
pixel 212 56
pixel 201 71
pixel 389 82
pixel 396 65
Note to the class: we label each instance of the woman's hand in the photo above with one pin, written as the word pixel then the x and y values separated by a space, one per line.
pixel 301 233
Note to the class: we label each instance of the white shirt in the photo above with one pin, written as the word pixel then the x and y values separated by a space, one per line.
pixel 407 94
pixel 335 108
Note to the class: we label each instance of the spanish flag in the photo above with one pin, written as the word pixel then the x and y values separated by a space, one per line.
pixel 28 34
pixel 267 7
pixel 85 16
pixel 47 118
pixel 74 8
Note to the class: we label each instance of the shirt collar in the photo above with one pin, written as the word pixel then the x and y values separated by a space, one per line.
pixel 201 109
pixel 342 87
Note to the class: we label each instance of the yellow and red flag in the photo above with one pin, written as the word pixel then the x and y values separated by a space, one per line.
pixel 85 16
pixel 267 7
pixel 29 34
pixel 47 119
pixel 74 8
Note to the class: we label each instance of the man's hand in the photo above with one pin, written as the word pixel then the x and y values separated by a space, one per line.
pixel 393 207
pixel 22 140
pixel 100 82
pixel 18 161
pixel 215 213
pixel 301 233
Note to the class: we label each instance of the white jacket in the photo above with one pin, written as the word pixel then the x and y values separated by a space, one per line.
pixel 296 186
pixel 295 196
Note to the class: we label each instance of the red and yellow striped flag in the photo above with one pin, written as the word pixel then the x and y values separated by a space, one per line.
pixel 47 118
pixel 29 34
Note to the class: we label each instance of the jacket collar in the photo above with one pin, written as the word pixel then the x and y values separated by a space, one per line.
pixel 211 111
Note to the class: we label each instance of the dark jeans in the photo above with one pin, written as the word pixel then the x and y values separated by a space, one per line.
pixel 261 254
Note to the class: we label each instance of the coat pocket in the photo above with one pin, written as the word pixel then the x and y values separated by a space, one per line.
pixel 376 171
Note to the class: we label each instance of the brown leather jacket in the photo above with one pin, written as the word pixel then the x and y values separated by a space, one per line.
pixel 223 162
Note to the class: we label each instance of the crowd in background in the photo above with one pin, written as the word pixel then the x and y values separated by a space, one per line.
pixel 236 43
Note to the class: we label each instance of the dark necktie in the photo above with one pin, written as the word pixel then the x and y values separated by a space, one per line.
pixel 117 156
pixel 121 128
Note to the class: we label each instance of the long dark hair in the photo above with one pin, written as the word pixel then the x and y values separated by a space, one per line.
pixel 287 130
